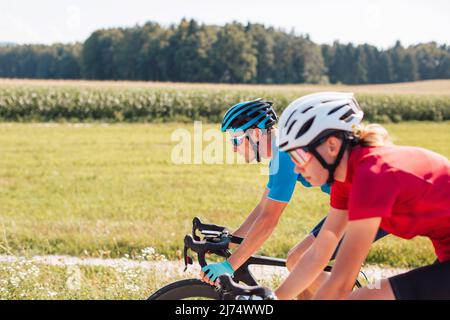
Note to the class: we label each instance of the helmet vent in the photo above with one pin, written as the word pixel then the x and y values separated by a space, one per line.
pixel 347 116
pixel 305 127
pixel 283 144
pixel 290 127
pixel 249 114
pixel 287 121
pixel 307 109
pixel 336 109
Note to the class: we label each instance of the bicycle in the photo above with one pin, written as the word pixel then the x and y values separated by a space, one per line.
pixel 215 240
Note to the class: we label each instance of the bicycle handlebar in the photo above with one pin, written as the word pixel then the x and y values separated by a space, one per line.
pixel 217 243
pixel 202 247
pixel 198 225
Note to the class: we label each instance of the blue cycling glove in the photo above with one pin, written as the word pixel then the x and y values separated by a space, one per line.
pixel 213 271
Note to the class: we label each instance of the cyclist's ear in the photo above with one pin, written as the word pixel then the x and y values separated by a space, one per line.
pixel 334 145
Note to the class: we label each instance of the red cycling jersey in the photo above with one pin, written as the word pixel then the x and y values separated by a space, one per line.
pixel 408 187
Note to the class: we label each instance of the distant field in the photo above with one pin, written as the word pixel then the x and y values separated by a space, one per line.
pixel 429 87
pixel 106 190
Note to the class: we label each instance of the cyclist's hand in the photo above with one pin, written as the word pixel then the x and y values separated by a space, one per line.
pixel 211 272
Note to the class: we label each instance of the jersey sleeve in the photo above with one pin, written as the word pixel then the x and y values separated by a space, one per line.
pixel 373 191
pixel 339 195
pixel 282 178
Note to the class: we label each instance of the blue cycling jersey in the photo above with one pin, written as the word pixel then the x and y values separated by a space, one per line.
pixel 282 178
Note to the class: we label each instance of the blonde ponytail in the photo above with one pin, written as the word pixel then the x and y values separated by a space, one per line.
pixel 372 135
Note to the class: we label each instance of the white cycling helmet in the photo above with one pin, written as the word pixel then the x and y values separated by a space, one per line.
pixel 307 121
pixel 310 117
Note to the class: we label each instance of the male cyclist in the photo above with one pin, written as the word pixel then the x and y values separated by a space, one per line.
pixel 251 128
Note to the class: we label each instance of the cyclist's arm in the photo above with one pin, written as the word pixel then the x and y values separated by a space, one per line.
pixel 245 227
pixel 368 202
pixel 358 238
pixel 316 258
pixel 264 217
pixel 259 232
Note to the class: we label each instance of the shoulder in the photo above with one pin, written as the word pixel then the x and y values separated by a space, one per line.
pixel 368 161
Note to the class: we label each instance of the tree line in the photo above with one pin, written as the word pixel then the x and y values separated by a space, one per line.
pixel 234 53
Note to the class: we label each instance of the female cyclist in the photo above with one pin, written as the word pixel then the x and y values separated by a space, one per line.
pixel 405 190
pixel 250 125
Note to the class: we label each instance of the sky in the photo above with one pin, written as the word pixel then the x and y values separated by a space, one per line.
pixel 377 22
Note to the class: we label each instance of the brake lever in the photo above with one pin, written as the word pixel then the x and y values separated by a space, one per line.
pixel 201 249
pixel 187 259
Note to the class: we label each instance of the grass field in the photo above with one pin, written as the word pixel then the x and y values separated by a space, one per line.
pixel 106 190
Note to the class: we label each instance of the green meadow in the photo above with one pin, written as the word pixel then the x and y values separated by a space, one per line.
pixel 103 190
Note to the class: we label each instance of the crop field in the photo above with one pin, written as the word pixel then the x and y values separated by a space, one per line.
pixel 82 101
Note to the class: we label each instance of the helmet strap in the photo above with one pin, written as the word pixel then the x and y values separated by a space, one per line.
pixel 331 167
pixel 255 147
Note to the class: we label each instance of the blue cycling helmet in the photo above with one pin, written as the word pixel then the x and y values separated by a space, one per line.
pixel 251 114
